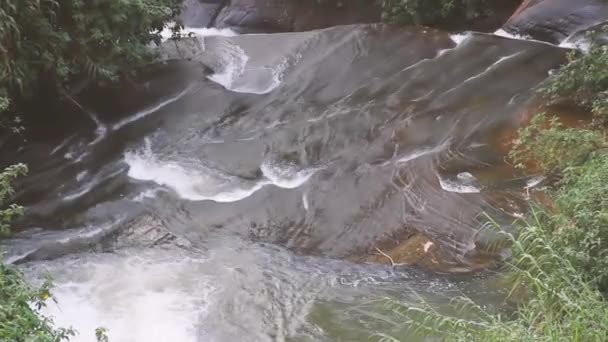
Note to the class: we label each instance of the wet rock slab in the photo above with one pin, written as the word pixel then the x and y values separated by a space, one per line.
pixel 555 20
pixel 365 131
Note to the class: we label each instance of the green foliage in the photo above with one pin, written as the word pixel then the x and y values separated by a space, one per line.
pixel 559 267
pixel 546 142
pixel 46 43
pixel 585 80
pixel 579 222
pixel 558 303
pixel 20 304
pixel 6 191
pixel 424 12
pixel 581 218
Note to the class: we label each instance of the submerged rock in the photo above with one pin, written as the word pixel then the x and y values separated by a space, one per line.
pixel 556 20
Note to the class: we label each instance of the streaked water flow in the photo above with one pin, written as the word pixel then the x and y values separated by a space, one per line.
pixel 239 194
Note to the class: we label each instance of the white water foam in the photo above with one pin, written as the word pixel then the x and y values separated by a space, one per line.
pixel 273 78
pixel 234 75
pixel 577 42
pixel 460 38
pixel 143 113
pixel 152 296
pixel 150 193
pixel 233 61
pixel 166 33
pixel 194 181
pixel 465 183
pixel 232 64
pixel 286 176
pixel 505 34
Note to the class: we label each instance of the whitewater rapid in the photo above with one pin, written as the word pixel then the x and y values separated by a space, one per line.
pixel 147 295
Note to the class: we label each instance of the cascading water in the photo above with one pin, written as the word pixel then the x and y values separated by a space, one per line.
pixel 238 203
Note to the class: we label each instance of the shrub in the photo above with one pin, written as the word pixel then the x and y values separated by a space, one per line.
pixel 20 303
pixel 424 12
pixel 585 80
pixel 559 266
pixel 581 218
pixel 6 191
pixel 46 43
pixel 557 304
pixel 553 147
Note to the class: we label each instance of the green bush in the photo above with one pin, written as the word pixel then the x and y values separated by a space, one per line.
pixel 556 304
pixel 585 80
pixel 6 191
pixel 425 12
pixel 581 218
pixel 553 147
pixel 559 266
pixel 20 303
pixel 46 43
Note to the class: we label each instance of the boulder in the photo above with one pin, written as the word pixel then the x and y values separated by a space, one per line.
pixel 556 20
pixel 302 15
pixel 200 13
pixel 291 15
pixel 255 15
pixel 310 15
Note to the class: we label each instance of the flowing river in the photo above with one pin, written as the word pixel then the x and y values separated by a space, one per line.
pixel 242 193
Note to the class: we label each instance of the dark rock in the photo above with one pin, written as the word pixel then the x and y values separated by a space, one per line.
pixel 294 15
pixel 200 13
pixel 288 15
pixel 555 20
pixel 309 15
pixel 488 19
pixel 523 6
pixel 252 15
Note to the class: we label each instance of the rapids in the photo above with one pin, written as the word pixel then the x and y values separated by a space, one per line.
pixel 235 195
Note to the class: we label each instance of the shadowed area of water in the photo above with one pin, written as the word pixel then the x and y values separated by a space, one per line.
pixel 225 197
